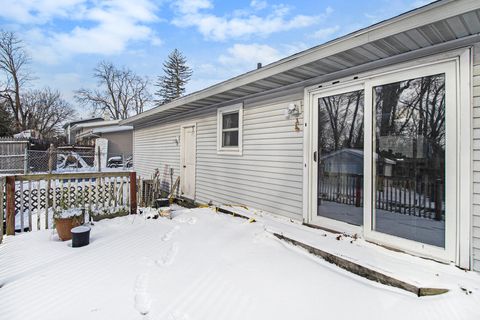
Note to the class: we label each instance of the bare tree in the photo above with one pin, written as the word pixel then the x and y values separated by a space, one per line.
pixel 341 121
pixel 13 62
pixel 121 92
pixel 45 110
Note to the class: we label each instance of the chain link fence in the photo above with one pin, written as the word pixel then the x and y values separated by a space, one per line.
pixel 35 161
pixel 14 163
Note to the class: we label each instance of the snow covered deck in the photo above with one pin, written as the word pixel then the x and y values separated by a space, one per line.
pixel 422 273
pixel 204 265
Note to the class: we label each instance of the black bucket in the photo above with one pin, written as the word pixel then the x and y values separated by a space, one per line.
pixel 162 202
pixel 80 236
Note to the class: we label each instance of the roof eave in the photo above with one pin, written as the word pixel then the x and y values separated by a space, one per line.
pixel 430 13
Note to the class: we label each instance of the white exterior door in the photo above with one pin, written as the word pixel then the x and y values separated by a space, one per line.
pixel 188 153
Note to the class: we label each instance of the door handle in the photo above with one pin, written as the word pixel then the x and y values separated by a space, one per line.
pixel 315 156
pixel 184 166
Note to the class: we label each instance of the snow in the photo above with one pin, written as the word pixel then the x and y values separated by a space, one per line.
pixel 402 266
pixel 80 229
pixel 207 265
pixel 68 213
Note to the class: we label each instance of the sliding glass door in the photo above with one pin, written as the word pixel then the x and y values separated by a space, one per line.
pixel 412 157
pixel 409 159
pixel 385 159
pixel 339 155
pixel 340 162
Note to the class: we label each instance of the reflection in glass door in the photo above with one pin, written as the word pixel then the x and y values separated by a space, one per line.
pixel 409 159
pixel 340 158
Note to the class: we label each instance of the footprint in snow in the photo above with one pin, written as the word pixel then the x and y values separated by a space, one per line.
pixel 167 236
pixel 169 256
pixel 142 300
pixel 143 303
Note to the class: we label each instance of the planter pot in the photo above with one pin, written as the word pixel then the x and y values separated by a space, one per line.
pixel 65 225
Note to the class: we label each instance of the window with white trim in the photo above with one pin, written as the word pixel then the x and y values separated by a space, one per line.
pixel 229 129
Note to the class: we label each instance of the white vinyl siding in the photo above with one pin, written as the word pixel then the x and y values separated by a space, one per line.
pixel 476 160
pixel 268 174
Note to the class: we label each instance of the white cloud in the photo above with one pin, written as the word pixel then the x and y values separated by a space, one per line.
pixel 258 5
pixel 192 6
pixel 101 27
pixel 326 33
pixel 237 59
pixel 191 13
pixel 245 55
pixel 38 11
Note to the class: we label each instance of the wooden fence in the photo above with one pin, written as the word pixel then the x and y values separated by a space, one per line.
pixel 13 155
pixel 40 195
pixel 401 195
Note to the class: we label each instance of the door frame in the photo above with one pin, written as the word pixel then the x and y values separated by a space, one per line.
pixel 182 158
pixel 313 98
pixel 461 251
pixel 451 164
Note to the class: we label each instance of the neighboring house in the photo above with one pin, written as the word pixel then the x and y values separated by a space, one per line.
pixel 28 134
pixel 70 134
pixel 413 76
pixel 119 138
pixel 350 162
pixel 85 133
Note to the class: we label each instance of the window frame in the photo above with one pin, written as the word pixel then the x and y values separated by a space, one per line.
pixel 234 150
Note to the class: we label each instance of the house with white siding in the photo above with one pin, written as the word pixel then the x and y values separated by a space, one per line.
pixel 403 93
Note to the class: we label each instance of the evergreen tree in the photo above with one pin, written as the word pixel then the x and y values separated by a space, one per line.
pixel 6 121
pixel 176 75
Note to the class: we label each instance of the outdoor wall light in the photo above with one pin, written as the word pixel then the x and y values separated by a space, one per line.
pixel 293 110
pixel 177 140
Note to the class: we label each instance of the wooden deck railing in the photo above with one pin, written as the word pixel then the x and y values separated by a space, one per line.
pixel 401 195
pixel 43 194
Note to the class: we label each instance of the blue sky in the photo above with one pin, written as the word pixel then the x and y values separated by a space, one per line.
pixel 221 39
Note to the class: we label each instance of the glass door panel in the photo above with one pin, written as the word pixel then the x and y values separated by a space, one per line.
pixel 409 159
pixel 340 158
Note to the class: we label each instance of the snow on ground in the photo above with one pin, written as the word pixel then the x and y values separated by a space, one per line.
pixel 200 265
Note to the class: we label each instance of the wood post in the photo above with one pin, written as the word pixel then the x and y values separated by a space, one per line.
pixel 133 193
pixel 2 184
pixel 25 160
pixel 99 163
pixel 358 191
pixel 438 199
pixel 47 198
pixel 51 152
pixel 10 208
